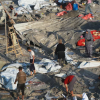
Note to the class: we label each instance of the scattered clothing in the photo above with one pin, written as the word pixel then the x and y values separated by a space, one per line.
pixel 81 42
pixel 61 13
pixel 95 34
pixel 86 17
pixel 69 7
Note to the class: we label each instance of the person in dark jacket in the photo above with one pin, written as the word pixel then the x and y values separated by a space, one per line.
pixel 60 52
pixel 88 43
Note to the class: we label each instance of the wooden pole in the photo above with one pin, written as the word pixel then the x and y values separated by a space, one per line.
pixel 6 33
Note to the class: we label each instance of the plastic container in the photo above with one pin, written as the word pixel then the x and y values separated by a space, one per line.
pixel 75 6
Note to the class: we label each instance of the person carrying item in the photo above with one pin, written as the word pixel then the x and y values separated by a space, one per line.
pixel 88 43
pixel 88 7
pixel 32 57
pixel 21 78
pixel 60 52
pixel 69 82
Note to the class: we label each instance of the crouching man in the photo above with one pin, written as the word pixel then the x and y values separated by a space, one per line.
pixel 69 82
pixel 21 78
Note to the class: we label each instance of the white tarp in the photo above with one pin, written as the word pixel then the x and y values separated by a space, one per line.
pixel 11 70
pixel 49 97
pixel 9 75
pixel 30 2
pixel 49 66
pixel 84 96
pixel 86 64
pixel 69 59
pixel 37 3
pixel 64 75
pixel 64 1
pixel 23 9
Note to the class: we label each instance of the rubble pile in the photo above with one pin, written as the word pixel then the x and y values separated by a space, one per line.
pixel 39 24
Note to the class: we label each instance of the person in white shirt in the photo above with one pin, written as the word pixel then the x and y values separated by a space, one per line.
pixel 32 57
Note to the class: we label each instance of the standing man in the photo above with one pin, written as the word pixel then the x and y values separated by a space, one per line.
pixel 32 57
pixel 60 52
pixel 21 78
pixel 69 82
pixel 88 7
pixel 88 43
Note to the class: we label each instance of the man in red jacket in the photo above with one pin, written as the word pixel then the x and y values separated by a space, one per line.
pixel 69 82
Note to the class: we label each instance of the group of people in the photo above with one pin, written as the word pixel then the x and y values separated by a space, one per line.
pixel 88 7
pixel 21 76
pixel 69 81
pixel 60 53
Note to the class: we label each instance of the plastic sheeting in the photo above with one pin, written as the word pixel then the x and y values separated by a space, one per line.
pixel 69 59
pixel 64 1
pixel 49 97
pixel 64 75
pixel 23 9
pixel 37 3
pixel 48 66
pixel 86 64
pixel 10 71
pixel 85 97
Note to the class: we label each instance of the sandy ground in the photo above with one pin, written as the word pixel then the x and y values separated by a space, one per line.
pixel 84 76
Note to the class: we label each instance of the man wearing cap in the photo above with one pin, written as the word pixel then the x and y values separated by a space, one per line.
pixel 69 82
pixel 88 43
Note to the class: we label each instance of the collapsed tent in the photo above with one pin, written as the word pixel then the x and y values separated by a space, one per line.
pixel 36 3
pixel 9 74
pixel 47 65
pixel 95 34
pixel 10 71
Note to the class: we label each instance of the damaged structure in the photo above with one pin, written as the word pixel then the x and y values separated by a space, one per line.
pixel 40 24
